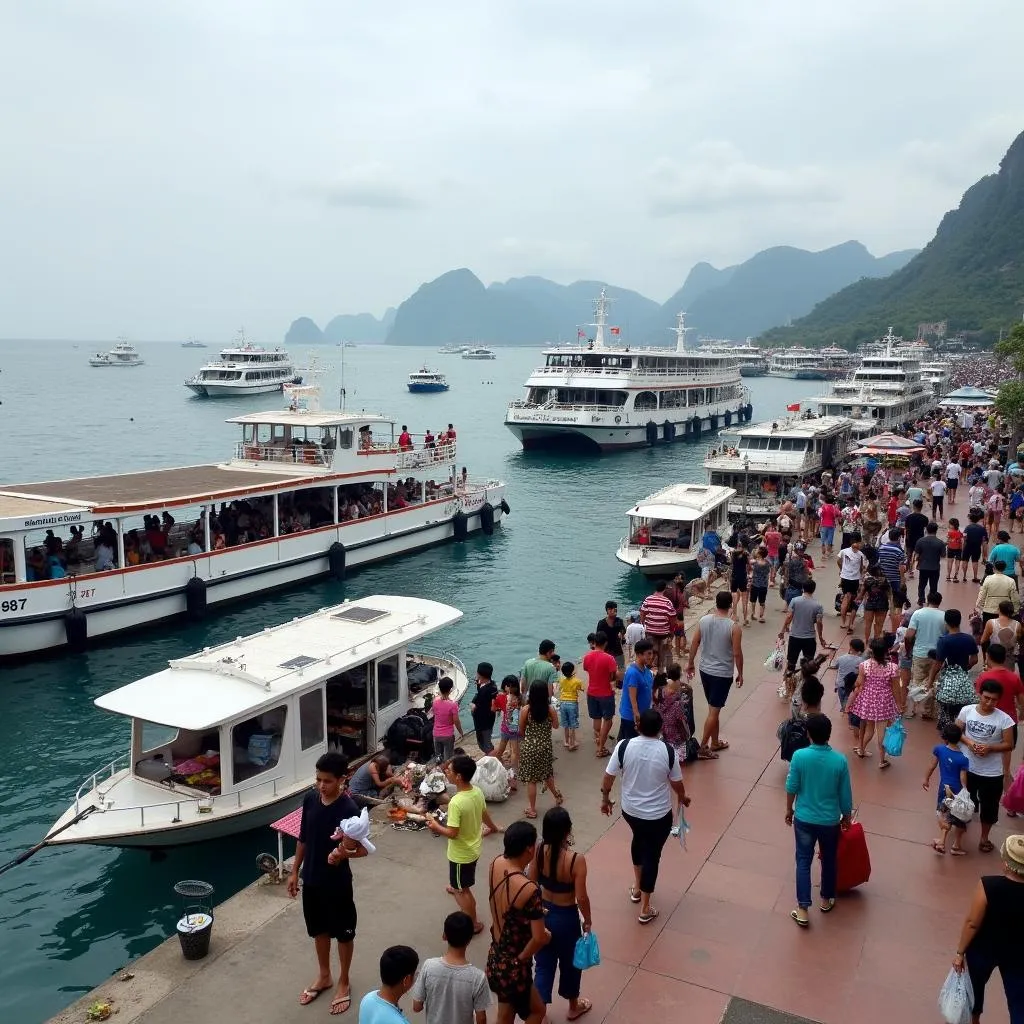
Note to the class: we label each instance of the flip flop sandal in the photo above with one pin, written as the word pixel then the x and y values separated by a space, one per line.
pixel 958 852
pixel 340 1005
pixel 938 847
pixel 634 895
pixel 559 799
pixel 985 846
pixel 804 922
pixel 310 995
pixel 720 745
pixel 585 1005
pixel 827 907
pixel 529 814
pixel 648 917
pixel 884 764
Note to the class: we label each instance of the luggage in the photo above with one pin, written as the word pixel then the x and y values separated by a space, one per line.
pixel 852 859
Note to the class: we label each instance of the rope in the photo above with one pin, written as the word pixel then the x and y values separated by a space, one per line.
pixel 24 856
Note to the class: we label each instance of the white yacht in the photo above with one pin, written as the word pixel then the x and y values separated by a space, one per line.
pixel 244 369
pixel 797 363
pixel 452 350
pixel 610 396
pixel 226 740
pixel 886 391
pixel 478 352
pixel 665 529
pixel 122 354
pixel 938 374
pixel 839 362
pixel 303 493
pixel 768 459
pixel 750 359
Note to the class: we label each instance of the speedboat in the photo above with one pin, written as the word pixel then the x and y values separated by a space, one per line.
pixel 227 739
pixel 425 382
pixel 478 353
pixel 122 354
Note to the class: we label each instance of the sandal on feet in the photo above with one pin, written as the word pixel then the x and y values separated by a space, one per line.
pixel 720 745
pixel 802 921
pixel 529 814
pixel 583 1006
pixel 958 851
pixel 309 995
pixel 648 917
pixel 340 1004
pixel 559 799
pixel 827 906
pixel 883 764
pixel 634 895
pixel 706 754
pixel 985 846
pixel 937 846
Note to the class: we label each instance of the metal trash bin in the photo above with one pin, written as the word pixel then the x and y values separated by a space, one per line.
pixel 195 927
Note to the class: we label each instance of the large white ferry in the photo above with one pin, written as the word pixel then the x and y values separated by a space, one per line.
pixel 750 359
pixel 768 459
pixel 611 397
pixel 122 354
pixel 226 740
pixel 798 363
pixel 304 493
pixel 884 392
pixel 244 369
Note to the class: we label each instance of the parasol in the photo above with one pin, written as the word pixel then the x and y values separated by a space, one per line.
pixel 888 444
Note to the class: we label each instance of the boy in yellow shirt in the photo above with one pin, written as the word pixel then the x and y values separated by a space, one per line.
pixel 569 691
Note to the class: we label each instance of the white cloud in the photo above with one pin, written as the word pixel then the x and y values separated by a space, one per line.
pixel 368 186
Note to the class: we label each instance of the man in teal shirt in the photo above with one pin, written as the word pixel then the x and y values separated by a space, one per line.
pixel 1006 552
pixel 818 784
pixel 539 670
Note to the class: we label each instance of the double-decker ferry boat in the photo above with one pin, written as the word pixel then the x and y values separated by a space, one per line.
pixel 122 354
pixel 798 363
pixel 304 493
pixel 605 396
pixel 750 359
pixel 427 382
pixel 839 362
pixel 886 391
pixel 766 460
pixel 244 369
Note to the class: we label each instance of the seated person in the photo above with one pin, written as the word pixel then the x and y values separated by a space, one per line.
pixel 374 779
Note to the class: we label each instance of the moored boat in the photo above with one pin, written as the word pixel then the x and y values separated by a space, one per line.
pixel 798 363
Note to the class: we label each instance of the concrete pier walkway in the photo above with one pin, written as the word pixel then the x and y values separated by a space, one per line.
pixel 724 947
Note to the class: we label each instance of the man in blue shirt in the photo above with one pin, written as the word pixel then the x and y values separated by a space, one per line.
pixel 1006 552
pixel 819 802
pixel 637 689
pixel 892 560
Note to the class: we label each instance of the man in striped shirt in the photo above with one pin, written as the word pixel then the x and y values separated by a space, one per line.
pixel 893 561
pixel 658 615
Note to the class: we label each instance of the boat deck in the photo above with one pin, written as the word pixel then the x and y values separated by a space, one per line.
pixel 14 507
pixel 156 487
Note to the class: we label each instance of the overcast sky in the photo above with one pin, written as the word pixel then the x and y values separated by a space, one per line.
pixel 182 168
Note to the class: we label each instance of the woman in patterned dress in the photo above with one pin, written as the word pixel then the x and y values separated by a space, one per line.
pixel 877 699
pixel 536 756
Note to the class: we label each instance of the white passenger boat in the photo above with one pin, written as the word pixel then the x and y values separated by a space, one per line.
pixel 886 391
pixel 610 397
pixel 427 382
pixel 478 353
pixel 937 374
pixel 122 354
pixel 750 359
pixel 227 739
pixel 304 493
pixel 665 529
pixel 244 369
pixel 769 459
pixel 798 363
pixel 839 362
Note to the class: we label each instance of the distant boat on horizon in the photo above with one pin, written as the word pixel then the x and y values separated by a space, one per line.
pixel 192 343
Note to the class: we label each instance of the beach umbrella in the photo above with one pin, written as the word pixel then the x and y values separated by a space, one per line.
pixel 888 444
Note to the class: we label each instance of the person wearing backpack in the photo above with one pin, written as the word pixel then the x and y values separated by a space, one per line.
pixel 650 771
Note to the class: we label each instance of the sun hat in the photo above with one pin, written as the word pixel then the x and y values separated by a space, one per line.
pixel 1013 853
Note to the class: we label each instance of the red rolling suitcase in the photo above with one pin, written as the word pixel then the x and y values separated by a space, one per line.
pixel 852 859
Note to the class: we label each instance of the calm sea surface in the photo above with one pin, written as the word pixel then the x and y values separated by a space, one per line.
pixel 70 917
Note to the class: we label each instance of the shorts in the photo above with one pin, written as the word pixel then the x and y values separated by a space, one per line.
pixel 970 555
pixel 330 910
pixel 569 714
pixel 484 740
pixel 716 689
pixel 796 645
pixel 943 812
pixel 773 561
pixel 952 485
pixel 828 535
pixel 444 747
pixel 758 595
pixel 601 707
pixel 955 554
pixel 906 663
pixel 849 586
pixel 462 876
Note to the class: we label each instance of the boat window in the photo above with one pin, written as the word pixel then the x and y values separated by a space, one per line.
pixel 156 737
pixel 646 400
pixel 311 719
pixel 6 560
pixel 346 711
pixel 389 684
pixel 256 743
pixel 775 443
pixel 345 437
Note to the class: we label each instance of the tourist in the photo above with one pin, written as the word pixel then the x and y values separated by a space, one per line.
pixel 938 492
pixel 397 975
pixel 466 824
pixel 994 510
pixel 772 542
pixel 405 439
pixel 536 756
pixel 953 471
pixel 871 520
pixel 954 550
pixel 675 706
pixel 562 875
pixel 517 928
pixel 446 720
pixel 615 633
pixel 328 904
pixel 482 707
pixel 819 803
pixel 637 688
pixel 540 669
pixel 804 620
pixel 721 657
pixel 794 573
pixel 914 528
pixel 1006 552
pixel 760 571
pixel 877 699
pixel 1004 629
pixel 448 988
pixel 852 563
pixel 739 583
pixel 828 516
pixel 649 770
pixel 374 778
pixel 602 671
pixel 926 626
pixel 1011 699
pixel 507 703
pixel 892 560
pixel 658 614
pixel 952 764
pixel 991 935
pixel 975 543
pixel 875 594
pixel 569 689
pixel 634 633
pixel 987 733
pixel 928 554
pixel 956 653
pixel 994 590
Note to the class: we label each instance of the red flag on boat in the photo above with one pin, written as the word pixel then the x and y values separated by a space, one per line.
pixel 615 330
pixel 581 334
pixel 793 408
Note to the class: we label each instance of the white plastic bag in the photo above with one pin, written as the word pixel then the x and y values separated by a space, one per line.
pixel 961 806
pixel 916 694
pixel 956 998
pixel 492 779
pixel 776 659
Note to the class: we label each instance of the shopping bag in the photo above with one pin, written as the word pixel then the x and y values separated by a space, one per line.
pixel 777 659
pixel 961 806
pixel 1013 798
pixel 956 998
pixel 587 952
pixel 684 827
pixel 894 737
pixel 853 863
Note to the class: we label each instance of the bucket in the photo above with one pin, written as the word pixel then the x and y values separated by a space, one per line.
pixel 194 931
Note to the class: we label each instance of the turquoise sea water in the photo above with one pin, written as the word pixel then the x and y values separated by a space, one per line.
pixel 70 917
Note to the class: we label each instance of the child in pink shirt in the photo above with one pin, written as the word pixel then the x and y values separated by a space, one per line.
pixel 446 721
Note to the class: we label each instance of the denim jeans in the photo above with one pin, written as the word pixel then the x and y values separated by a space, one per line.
pixel 980 965
pixel 565 928
pixel 484 740
pixel 827 839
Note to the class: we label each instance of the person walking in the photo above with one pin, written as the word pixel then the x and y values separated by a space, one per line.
pixel 938 492
pixel 892 560
pixel 804 619
pixel 739 583
pixel 819 803
pixel 448 988
pixel 919 641
pixel 602 671
pixel 536 756
pixel 853 563
pixel 540 669
pixel 658 616
pixel 650 771
pixel 956 653
pixel 720 659
pixel 561 874
pixel 928 554
pixel 877 699
pixel 994 590
pixel 637 688
pixel 875 593
pixel 614 630
pixel 482 707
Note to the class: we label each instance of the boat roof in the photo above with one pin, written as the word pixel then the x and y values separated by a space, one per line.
pixel 302 418
pixel 237 679
pixel 799 427
pixel 622 349
pixel 683 502
pixel 13 506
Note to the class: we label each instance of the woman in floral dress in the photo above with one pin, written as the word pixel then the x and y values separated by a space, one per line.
pixel 536 756
pixel 877 699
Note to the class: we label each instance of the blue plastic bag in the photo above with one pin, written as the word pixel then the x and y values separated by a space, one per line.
pixel 894 737
pixel 587 952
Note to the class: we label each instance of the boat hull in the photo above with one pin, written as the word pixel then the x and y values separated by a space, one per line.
pixel 224 389
pixel 427 389
pixel 120 600
pixel 658 562
pixel 753 371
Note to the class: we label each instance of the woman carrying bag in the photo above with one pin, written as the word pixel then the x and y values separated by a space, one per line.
pixel 956 653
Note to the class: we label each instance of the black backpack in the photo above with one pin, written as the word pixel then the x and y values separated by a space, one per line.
pixel 792 737
pixel 668 746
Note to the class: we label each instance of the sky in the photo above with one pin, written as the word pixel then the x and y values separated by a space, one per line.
pixel 182 168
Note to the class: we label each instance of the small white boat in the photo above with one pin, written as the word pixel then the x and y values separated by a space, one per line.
pixel 193 343
pixel 122 354
pixel 478 353
pixel 452 350
pixel 665 529
pixel 226 740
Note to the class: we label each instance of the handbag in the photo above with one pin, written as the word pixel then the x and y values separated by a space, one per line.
pixel 894 737
pixel 955 686
pixel 587 952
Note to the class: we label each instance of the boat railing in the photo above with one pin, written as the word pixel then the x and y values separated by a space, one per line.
pixel 421 458
pixel 783 462
pixel 724 373
pixel 309 455
pixel 108 771
pixel 568 407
